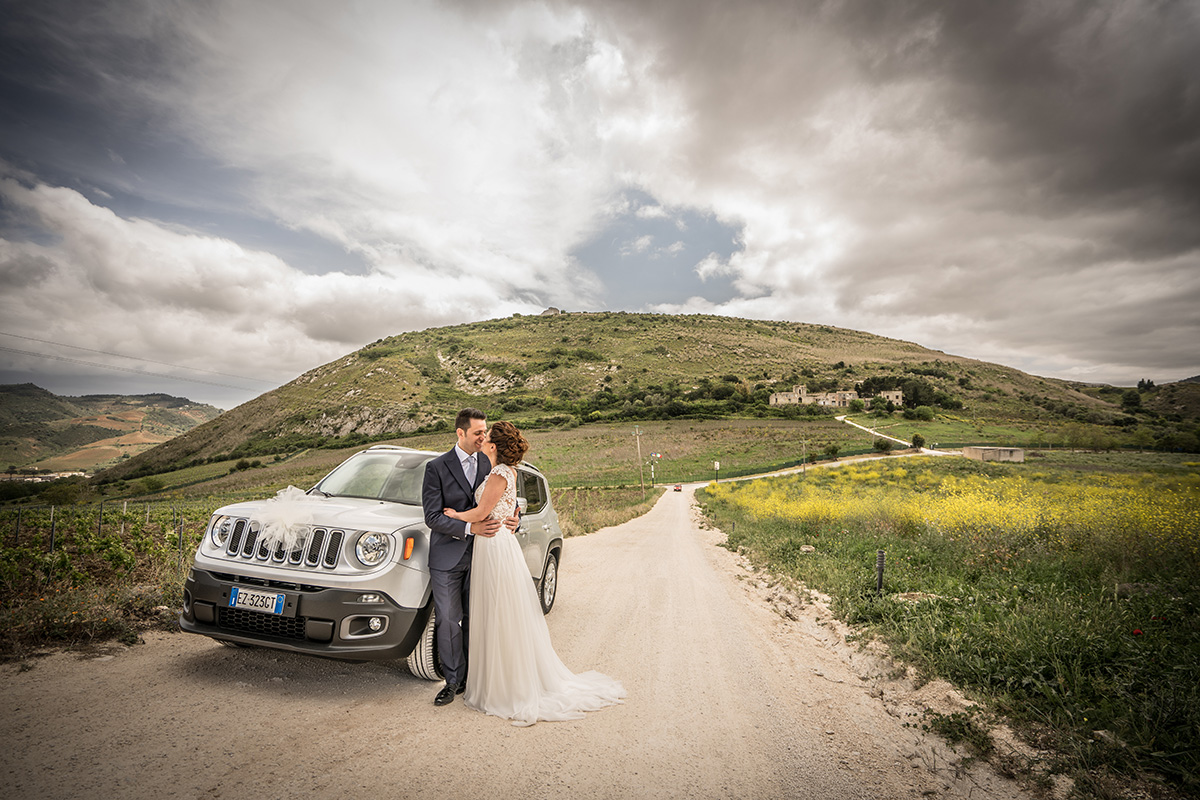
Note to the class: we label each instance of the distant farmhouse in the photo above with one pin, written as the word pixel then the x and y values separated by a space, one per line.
pixel 995 453
pixel 800 396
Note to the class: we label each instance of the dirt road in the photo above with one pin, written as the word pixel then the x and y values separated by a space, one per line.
pixel 729 697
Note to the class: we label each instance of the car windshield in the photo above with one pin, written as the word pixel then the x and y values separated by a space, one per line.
pixel 393 476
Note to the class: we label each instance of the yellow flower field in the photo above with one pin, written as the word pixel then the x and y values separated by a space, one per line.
pixel 1144 514
pixel 1062 591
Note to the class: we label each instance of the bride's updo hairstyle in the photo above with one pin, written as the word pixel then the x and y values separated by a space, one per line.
pixel 510 444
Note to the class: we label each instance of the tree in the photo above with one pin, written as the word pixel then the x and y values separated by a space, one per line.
pixel 918 440
pixel 857 405
pixel 882 445
pixel 1131 400
pixel 62 493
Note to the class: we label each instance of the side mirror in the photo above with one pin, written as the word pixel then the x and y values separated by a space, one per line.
pixel 522 504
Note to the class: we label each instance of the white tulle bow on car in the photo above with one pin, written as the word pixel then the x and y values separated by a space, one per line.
pixel 286 518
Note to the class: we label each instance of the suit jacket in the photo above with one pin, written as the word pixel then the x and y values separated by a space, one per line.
pixel 445 486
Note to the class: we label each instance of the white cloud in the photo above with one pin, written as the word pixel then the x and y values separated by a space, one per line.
pixel 638 245
pixel 205 302
pixel 474 144
pixel 651 212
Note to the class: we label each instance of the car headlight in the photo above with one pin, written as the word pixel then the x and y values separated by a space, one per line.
pixel 219 530
pixel 372 548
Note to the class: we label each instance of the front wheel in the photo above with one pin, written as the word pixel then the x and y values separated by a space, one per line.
pixel 548 585
pixel 423 660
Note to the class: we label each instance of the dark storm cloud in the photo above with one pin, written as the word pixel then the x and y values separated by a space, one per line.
pixel 1016 181
pixel 967 174
pixel 73 81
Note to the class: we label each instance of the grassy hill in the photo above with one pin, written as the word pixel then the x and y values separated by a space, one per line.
pixel 580 368
pixel 42 430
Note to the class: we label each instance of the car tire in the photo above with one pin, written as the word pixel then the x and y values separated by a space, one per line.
pixel 423 660
pixel 548 585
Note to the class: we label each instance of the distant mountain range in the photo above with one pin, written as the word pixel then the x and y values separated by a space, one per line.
pixel 41 429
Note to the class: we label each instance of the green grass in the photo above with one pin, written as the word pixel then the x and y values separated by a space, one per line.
pixel 589 455
pixel 1073 606
pixel 588 368
pixel 583 511
pixel 71 581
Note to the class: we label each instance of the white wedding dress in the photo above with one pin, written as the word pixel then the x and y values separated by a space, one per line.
pixel 514 672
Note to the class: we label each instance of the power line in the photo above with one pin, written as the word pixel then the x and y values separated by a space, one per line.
pixel 131 358
pixel 122 369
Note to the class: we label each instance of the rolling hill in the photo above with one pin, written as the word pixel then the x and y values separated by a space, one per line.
pixel 43 430
pixel 576 368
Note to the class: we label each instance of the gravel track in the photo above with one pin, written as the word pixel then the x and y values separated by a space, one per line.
pixel 737 689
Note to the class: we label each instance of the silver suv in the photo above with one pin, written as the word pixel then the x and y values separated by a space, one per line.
pixel 355 582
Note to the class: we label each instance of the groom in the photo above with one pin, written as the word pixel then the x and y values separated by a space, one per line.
pixel 450 482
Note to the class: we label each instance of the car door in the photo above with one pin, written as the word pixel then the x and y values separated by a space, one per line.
pixel 535 531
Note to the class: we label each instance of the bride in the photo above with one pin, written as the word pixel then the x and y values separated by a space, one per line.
pixel 514 672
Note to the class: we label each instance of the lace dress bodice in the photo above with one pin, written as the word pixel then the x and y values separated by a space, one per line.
pixel 506 506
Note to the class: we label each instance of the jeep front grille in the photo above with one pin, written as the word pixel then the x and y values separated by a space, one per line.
pixel 320 549
pixel 238 619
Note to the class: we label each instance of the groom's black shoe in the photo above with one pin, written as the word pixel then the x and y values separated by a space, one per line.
pixel 462 687
pixel 446 695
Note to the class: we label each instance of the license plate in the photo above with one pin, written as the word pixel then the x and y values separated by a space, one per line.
pixel 255 600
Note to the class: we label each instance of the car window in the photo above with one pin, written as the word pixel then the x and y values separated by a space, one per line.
pixel 533 489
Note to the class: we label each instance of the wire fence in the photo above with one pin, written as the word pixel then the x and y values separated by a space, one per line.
pixel 48 528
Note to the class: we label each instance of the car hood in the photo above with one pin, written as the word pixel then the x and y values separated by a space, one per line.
pixel 347 513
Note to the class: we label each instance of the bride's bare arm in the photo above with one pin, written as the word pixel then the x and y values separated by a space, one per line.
pixel 493 490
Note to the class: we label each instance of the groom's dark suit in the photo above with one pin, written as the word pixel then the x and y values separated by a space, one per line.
pixel 446 486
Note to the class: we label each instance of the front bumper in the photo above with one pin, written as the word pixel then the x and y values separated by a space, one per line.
pixel 316 620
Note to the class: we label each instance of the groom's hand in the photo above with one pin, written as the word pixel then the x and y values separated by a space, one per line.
pixel 487 527
pixel 513 522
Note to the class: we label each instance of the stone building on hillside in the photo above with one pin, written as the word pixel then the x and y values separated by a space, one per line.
pixel 800 396
pixel 995 454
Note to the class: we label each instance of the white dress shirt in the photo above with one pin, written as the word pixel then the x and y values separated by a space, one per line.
pixel 463 457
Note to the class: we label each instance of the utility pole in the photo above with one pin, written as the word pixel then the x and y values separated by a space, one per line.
pixel 637 434
pixel 804 459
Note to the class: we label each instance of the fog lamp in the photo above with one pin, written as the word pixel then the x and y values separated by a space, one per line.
pixel 375 623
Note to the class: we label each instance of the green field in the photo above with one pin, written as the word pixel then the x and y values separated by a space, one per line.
pixel 1062 592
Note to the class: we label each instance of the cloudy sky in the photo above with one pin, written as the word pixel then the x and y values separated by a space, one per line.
pixel 209 197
